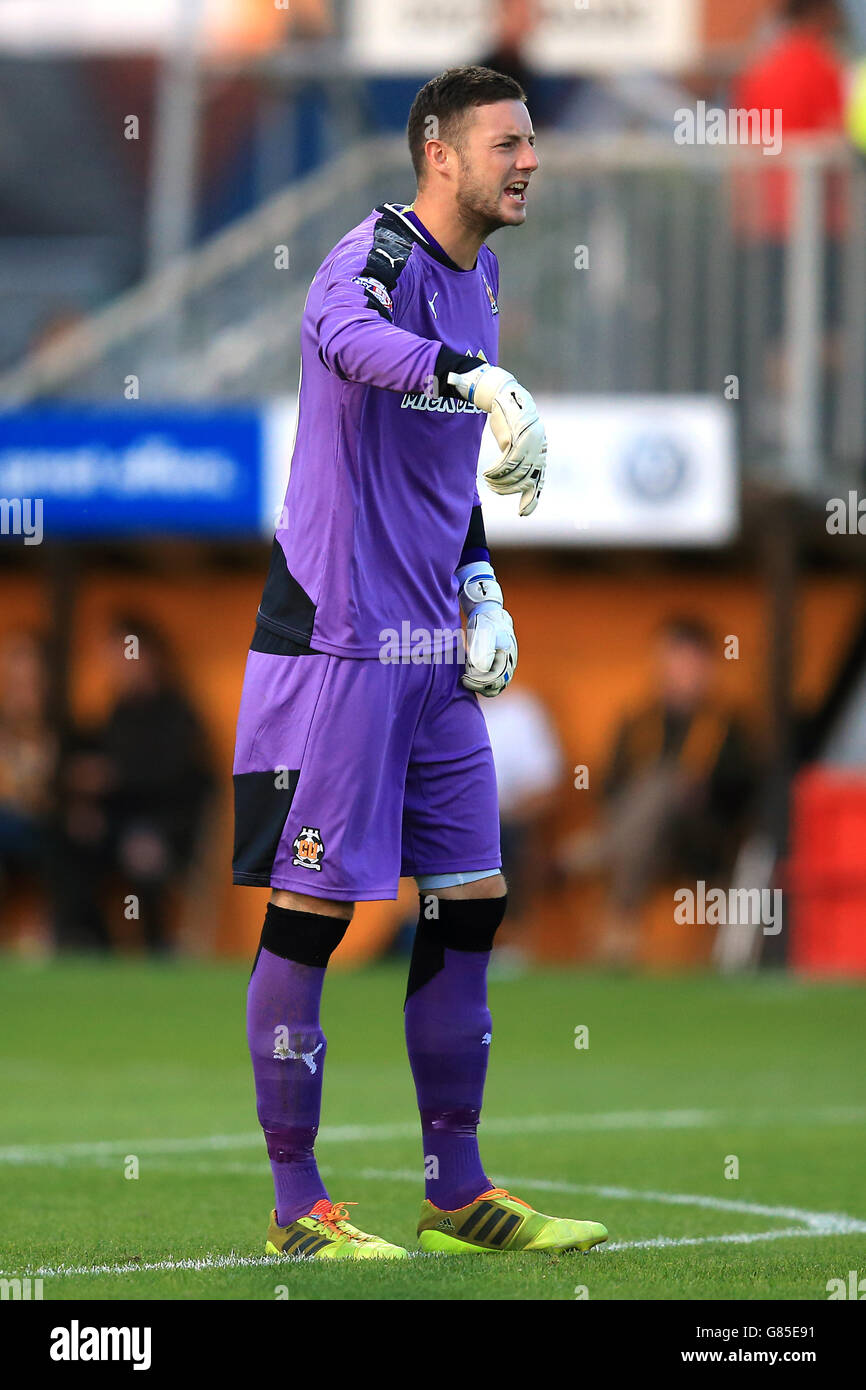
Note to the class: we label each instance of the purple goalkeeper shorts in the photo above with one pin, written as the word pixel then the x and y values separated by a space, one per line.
pixel 350 773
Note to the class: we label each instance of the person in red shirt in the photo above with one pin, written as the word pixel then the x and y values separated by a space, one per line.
pixel 799 79
pixel 800 76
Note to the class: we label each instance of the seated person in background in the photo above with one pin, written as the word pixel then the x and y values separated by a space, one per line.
pixel 679 783
pixel 529 771
pixel 136 791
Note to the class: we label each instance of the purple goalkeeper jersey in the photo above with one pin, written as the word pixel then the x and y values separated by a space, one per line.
pixel 381 502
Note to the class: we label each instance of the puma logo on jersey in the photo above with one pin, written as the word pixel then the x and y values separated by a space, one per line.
pixel 430 302
pixel 387 256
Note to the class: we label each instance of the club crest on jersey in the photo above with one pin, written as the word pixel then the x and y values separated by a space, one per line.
pixel 309 849
pixel 375 288
pixel 490 295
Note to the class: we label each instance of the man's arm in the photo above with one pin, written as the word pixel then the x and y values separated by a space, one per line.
pixel 491 647
pixel 359 341
pixel 475 546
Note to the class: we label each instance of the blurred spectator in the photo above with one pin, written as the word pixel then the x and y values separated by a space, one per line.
pixel 798 77
pixel 514 22
pixel 529 770
pixel 799 74
pixel 136 788
pixel 676 793
pixel 798 68
pixel 28 755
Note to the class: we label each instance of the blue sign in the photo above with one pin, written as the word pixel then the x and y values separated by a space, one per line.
pixel 134 471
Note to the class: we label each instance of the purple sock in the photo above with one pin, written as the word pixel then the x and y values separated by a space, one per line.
pixel 288 1048
pixel 448 1034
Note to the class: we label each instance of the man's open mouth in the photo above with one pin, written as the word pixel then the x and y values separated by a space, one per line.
pixel 517 190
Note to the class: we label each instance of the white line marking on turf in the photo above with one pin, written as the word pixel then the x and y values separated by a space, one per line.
pixel 521 1124
pixel 263 1261
pixel 736 1238
pixel 813 1224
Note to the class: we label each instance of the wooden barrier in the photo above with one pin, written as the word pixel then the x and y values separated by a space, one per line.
pixel 585 647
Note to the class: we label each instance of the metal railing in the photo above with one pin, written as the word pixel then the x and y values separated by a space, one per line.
pixel 636 271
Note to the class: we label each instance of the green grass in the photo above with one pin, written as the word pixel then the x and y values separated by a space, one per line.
pixel 136 1055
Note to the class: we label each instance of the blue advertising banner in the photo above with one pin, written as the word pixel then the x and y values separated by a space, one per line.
pixel 87 471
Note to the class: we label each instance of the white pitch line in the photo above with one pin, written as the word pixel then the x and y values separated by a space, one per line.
pixel 206 1262
pixel 736 1238
pixel 815 1224
pixel 277 1261
pixel 519 1124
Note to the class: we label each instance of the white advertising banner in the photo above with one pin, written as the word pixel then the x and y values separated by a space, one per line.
pixel 625 470
pixel 571 36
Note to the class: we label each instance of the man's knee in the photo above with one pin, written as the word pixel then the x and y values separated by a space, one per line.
pixel 492 887
pixel 304 902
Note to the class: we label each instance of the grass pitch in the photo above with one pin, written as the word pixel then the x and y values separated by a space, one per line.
pixel 112 1068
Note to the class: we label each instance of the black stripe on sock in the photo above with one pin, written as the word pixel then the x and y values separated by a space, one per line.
pixel 305 937
pixel 461 924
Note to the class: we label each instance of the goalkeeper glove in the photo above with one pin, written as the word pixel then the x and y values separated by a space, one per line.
pixel 491 647
pixel 516 428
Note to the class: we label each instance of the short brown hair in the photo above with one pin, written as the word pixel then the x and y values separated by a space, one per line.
pixel 447 98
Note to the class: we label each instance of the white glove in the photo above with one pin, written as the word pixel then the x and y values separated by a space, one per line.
pixel 491 647
pixel 516 428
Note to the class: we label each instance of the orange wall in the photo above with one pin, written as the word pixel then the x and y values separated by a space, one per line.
pixel 585 644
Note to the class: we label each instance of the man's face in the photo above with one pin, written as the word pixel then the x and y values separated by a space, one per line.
pixel 495 163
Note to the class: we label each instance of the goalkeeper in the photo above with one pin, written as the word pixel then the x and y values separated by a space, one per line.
pixel 353 767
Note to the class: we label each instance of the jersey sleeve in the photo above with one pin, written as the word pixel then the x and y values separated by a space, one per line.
pixel 357 337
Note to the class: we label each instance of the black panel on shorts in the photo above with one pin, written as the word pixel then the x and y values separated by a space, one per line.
pixel 262 804
pixel 285 607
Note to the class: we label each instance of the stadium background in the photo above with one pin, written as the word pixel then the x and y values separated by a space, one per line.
pixel 153 258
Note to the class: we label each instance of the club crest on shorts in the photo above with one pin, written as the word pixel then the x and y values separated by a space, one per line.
pixel 309 849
